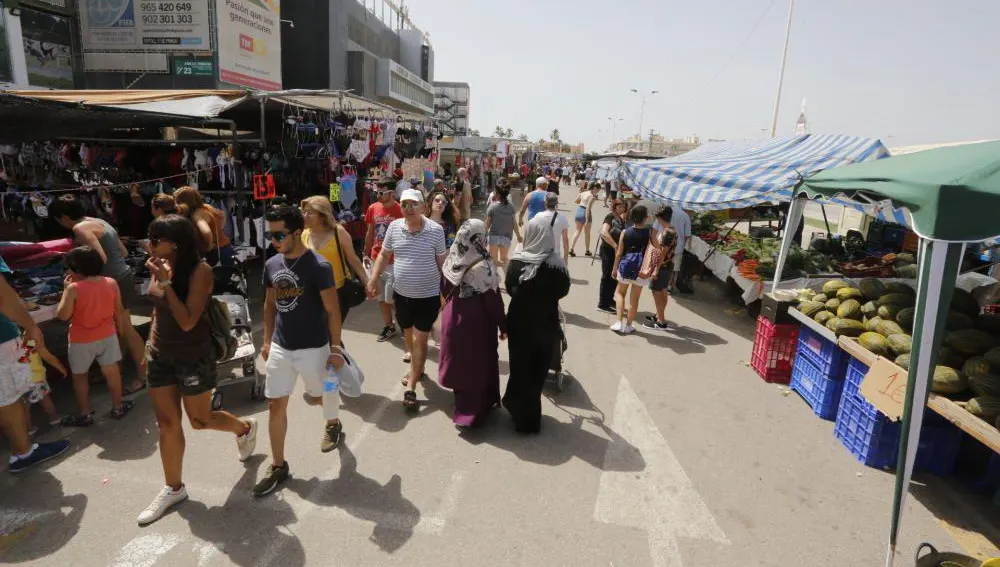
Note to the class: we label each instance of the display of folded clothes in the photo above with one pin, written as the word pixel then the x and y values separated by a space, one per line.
pixel 50 299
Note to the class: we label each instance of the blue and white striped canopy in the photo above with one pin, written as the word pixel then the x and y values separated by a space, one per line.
pixel 729 175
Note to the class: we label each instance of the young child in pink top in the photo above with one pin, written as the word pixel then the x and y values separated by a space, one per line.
pixel 93 306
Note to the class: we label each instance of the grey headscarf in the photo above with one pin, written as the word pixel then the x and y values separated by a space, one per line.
pixel 538 247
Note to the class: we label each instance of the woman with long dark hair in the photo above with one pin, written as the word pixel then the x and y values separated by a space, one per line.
pixel 444 212
pixel 611 229
pixel 181 361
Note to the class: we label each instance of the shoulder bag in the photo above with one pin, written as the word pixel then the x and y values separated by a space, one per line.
pixel 650 261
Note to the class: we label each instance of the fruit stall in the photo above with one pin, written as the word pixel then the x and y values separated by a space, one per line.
pixel 940 334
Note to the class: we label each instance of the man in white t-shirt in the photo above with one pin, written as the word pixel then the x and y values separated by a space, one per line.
pixel 682 224
pixel 560 226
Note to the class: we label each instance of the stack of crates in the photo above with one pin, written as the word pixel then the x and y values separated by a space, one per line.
pixel 774 350
pixel 874 439
pixel 818 372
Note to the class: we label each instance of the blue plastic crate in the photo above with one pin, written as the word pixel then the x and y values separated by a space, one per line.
pixel 939 444
pixel 826 355
pixel 853 377
pixel 821 393
pixel 874 440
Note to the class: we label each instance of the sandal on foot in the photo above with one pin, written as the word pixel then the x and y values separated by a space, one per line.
pixel 407 357
pixel 410 400
pixel 406 380
pixel 78 420
pixel 122 410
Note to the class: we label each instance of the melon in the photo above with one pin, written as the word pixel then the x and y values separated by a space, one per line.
pixel 869 309
pixel 849 309
pixel 898 287
pixel 989 323
pixel 948 356
pixel 810 308
pixel 957 321
pixel 899 344
pixel 820 298
pixel 830 288
pixel 903 361
pixel 833 304
pixel 985 384
pixel 831 323
pixel 872 288
pixel 947 381
pixel 823 316
pixel 964 302
pixel 872 323
pixel 900 299
pixel 889 311
pixel 886 328
pixel 848 328
pixel 970 342
pixel 874 343
pixel 986 408
pixel 845 293
pixel 905 318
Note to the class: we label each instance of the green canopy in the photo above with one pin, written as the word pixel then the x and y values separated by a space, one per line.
pixel 952 193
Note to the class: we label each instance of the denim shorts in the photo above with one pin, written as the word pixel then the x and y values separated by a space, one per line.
pixel 497 240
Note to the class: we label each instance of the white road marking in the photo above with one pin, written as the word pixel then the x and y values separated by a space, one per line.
pixel 660 498
pixel 145 550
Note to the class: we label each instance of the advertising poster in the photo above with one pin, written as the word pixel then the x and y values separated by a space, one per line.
pixel 145 25
pixel 47 51
pixel 250 43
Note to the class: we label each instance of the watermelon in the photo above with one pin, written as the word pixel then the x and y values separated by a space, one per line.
pixel 874 343
pixel 900 299
pixel 849 309
pixel 985 384
pixel 830 288
pixel 948 356
pixel 905 318
pixel 907 272
pixel 989 323
pixel 899 287
pixel 957 321
pixel 871 288
pixel 889 311
pixel 978 365
pixel 993 356
pixel 970 342
pixel 963 302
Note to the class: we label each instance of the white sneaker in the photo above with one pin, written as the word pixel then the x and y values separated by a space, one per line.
pixel 628 329
pixel 247 442
pixel 166 499
pixel 617 326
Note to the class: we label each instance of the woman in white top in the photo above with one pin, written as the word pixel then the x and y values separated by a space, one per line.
pixel 585 200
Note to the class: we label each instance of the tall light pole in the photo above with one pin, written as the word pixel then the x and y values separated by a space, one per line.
pixel 642 111
pixel 614 122
pixel 781 74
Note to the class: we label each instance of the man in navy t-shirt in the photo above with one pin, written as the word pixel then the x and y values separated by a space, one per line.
pixel 301 336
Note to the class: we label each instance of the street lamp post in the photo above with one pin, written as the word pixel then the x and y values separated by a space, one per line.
pixel 614 123
pixel 642 112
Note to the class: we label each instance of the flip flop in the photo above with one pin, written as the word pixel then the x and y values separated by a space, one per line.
pixel 137 390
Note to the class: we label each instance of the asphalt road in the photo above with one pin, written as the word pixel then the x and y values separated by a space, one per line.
pixel 665 450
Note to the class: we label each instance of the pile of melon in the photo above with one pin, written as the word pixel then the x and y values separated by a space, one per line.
pixel 880 315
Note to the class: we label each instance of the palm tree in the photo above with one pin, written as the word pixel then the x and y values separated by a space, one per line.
pixel 498 132
pixel 555 135
pixel 522 137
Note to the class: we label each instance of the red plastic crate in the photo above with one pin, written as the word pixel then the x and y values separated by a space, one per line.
pixel 992 309
pixel 774 350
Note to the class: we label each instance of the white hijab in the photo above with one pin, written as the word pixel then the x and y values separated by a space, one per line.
pixel 539 247
pixel 469 265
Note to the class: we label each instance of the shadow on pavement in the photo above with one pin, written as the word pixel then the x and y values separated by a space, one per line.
pixel 954 503
pixel 577 320
pixel 394 516
pixel 240 528
pixel 30 530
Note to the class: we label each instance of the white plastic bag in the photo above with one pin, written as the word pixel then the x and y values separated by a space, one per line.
pixel 352 378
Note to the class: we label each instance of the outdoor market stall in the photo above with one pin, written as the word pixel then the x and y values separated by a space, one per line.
pixel 951 195
pixel 725 176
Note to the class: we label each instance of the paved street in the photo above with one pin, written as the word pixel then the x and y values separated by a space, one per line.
pixel 664 450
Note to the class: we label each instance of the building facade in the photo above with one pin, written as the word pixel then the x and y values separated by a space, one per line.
pixel 451 107
pixel 656 145
pixel 367 46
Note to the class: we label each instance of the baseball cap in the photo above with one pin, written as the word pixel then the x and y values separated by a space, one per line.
pixel 542 180
pixel 412 195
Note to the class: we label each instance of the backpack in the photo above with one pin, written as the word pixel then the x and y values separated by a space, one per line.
pixel 224 341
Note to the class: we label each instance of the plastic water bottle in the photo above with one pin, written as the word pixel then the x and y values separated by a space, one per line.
pixel 332 383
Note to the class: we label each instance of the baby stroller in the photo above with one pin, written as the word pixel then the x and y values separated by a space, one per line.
pixel 231 289
pixel 556 372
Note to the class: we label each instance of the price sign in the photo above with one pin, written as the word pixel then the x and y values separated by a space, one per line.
pixel 334 192
pixel 885 387
pixel 263 187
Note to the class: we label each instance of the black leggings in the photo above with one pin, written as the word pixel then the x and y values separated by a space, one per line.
pixel 606 294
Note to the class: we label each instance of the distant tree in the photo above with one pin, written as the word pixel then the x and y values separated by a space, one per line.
pixel 498 132
pixel 541 141
pixel 508 133
pixel 522 137
pixel 555 135
pixel 474 132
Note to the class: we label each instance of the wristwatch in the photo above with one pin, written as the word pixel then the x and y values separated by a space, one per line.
pixel 163 285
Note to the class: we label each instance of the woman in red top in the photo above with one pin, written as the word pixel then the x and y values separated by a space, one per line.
pixel 93 306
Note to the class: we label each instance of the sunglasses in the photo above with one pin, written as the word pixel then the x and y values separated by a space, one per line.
pixel 277 236
pixel 154 241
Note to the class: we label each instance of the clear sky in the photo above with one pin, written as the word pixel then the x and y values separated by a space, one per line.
pixel 905 71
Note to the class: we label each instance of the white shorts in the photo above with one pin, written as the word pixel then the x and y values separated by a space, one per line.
pixel 284 366
pixel 678 258
pixel 15 377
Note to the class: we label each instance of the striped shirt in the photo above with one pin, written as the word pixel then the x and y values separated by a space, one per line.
pixel 415 271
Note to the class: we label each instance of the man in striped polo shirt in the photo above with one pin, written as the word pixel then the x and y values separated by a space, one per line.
pixel 415 246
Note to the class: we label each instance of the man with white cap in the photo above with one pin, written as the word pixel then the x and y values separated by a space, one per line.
pixel 534 202
pixel 559 224
pixel 415 246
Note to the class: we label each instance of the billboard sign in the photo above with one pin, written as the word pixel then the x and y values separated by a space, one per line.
pixel 250 43
pixel 145 25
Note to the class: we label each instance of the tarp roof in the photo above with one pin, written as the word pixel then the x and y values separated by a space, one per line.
pixel 731 175
pixel 952 193
pixel 27 118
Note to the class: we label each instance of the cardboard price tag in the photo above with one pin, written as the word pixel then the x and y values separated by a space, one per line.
pixel 885 387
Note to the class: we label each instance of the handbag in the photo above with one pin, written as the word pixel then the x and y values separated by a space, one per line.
pixel 353 291
pixel 650 261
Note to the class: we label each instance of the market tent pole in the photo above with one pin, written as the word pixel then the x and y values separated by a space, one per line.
pixel 938 269
pixel 794 216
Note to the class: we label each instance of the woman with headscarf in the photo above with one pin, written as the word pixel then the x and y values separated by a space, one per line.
pixel 536 280
pixel 471 322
